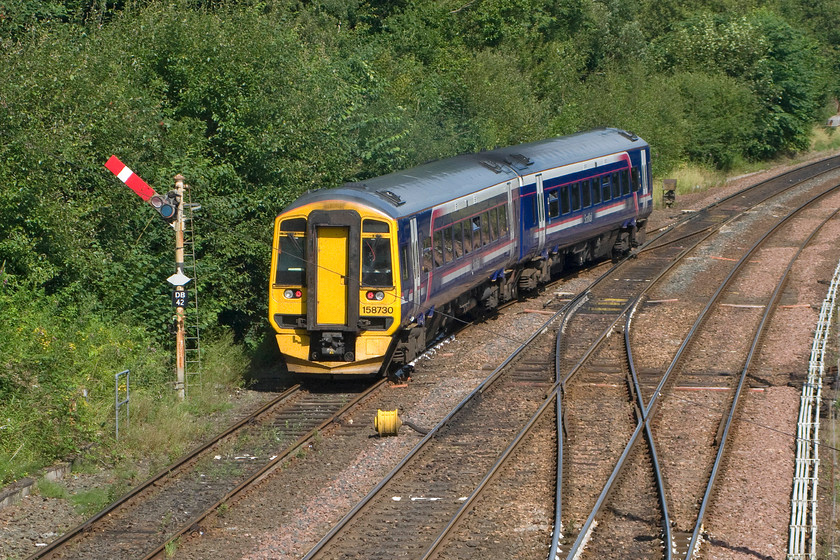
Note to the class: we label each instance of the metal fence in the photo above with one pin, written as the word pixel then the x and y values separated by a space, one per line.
pixel 121 398
pixel 802 543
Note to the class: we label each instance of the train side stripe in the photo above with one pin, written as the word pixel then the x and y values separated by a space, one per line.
pixel 480 257
pixel 611 209
pixel 566 224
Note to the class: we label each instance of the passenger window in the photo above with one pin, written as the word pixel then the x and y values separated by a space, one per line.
pixel 476 231
pixel 457 242
pixel 438 248
pixel 596 192
pixel 584 194
pixel 485 228
pixel 468 243
pixel 404 263
pixel 637 180
pixel 625 182
pixel 605 187
pixel 447 244
pixel 616 186
pixel 376 262
pixel 574 193
pixel 494 224
pixel 564 200
pixel 504 230
pixel 553 204
pixel 427 254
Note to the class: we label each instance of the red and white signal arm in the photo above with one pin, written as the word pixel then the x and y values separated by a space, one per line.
pixel 166 206
pixel 130 178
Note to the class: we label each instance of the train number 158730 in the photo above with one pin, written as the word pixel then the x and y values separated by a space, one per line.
pixel 377 310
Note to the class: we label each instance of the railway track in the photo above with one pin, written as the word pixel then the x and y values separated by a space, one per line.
pixel 693 443
pixel 405 513
pixel 141 523
pixel 600 315
pixel 455 487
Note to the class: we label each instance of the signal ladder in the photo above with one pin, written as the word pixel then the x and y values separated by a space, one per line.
pixel 192 338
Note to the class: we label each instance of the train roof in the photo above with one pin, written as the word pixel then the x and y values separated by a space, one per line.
pixel 409 191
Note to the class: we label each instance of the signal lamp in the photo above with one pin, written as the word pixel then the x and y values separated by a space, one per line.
pixel 377 295
pixel 292 294
pixel 166 206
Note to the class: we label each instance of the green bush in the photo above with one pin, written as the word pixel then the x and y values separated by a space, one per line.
pixel 57 366
pixel 256 102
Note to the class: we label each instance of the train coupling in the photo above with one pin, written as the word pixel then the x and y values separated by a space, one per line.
pixel 332 346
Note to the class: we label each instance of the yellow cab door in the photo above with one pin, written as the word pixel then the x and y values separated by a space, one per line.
pixel 331 290
pixel 333 278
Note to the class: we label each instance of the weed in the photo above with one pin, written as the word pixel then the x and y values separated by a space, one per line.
pixel 222 510
pixel 91 501
pixel 52 489
pixel 170 548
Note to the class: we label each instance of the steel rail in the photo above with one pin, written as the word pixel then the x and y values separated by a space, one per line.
pixel 570 307
pixel 657 470
pixel 649 411
pixel 267 469
pixel 651 408
pixel 168 471
pixel 832 163
pixel 653 404
pixel 561 388
pixel 480 389
pixel 629 307
pixel 555 396
pixel 769 309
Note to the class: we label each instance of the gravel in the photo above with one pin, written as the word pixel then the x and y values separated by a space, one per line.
pixel 749 516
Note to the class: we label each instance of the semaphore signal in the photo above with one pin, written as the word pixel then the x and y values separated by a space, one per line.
pixel 168 207
pixel 165 205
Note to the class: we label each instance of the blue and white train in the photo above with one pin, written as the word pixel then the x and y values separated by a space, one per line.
pixel 368 273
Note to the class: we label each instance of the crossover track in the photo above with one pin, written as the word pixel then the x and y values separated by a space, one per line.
pixel 167 505
pixel 628 525
pixel 575 389
pixel 420 508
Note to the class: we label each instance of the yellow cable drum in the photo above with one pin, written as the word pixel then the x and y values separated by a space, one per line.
pixel 387 422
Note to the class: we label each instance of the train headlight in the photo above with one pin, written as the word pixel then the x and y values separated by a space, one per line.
pixel 292 294
pixel 375 295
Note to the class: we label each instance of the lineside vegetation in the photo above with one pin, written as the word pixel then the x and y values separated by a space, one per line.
pixel 256 102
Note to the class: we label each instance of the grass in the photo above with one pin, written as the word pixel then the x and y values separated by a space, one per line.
pixel 164 428
pixel 161 429
pixel 693 178
pixel 87 502
pixel 91 501
pixel 52 490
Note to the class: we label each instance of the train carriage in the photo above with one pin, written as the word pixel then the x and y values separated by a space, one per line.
pixel 368 273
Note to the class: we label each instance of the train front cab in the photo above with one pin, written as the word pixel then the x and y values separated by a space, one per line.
pixel 334 295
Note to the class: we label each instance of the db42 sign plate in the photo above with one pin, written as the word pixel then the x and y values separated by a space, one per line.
pixel 179 298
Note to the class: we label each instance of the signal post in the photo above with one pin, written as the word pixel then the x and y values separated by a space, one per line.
pixel 180 302
pixel 171 209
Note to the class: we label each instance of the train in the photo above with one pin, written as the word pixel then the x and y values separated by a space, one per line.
pixel 365 276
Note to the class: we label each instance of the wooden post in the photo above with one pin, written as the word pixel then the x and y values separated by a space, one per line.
pixel 180 335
